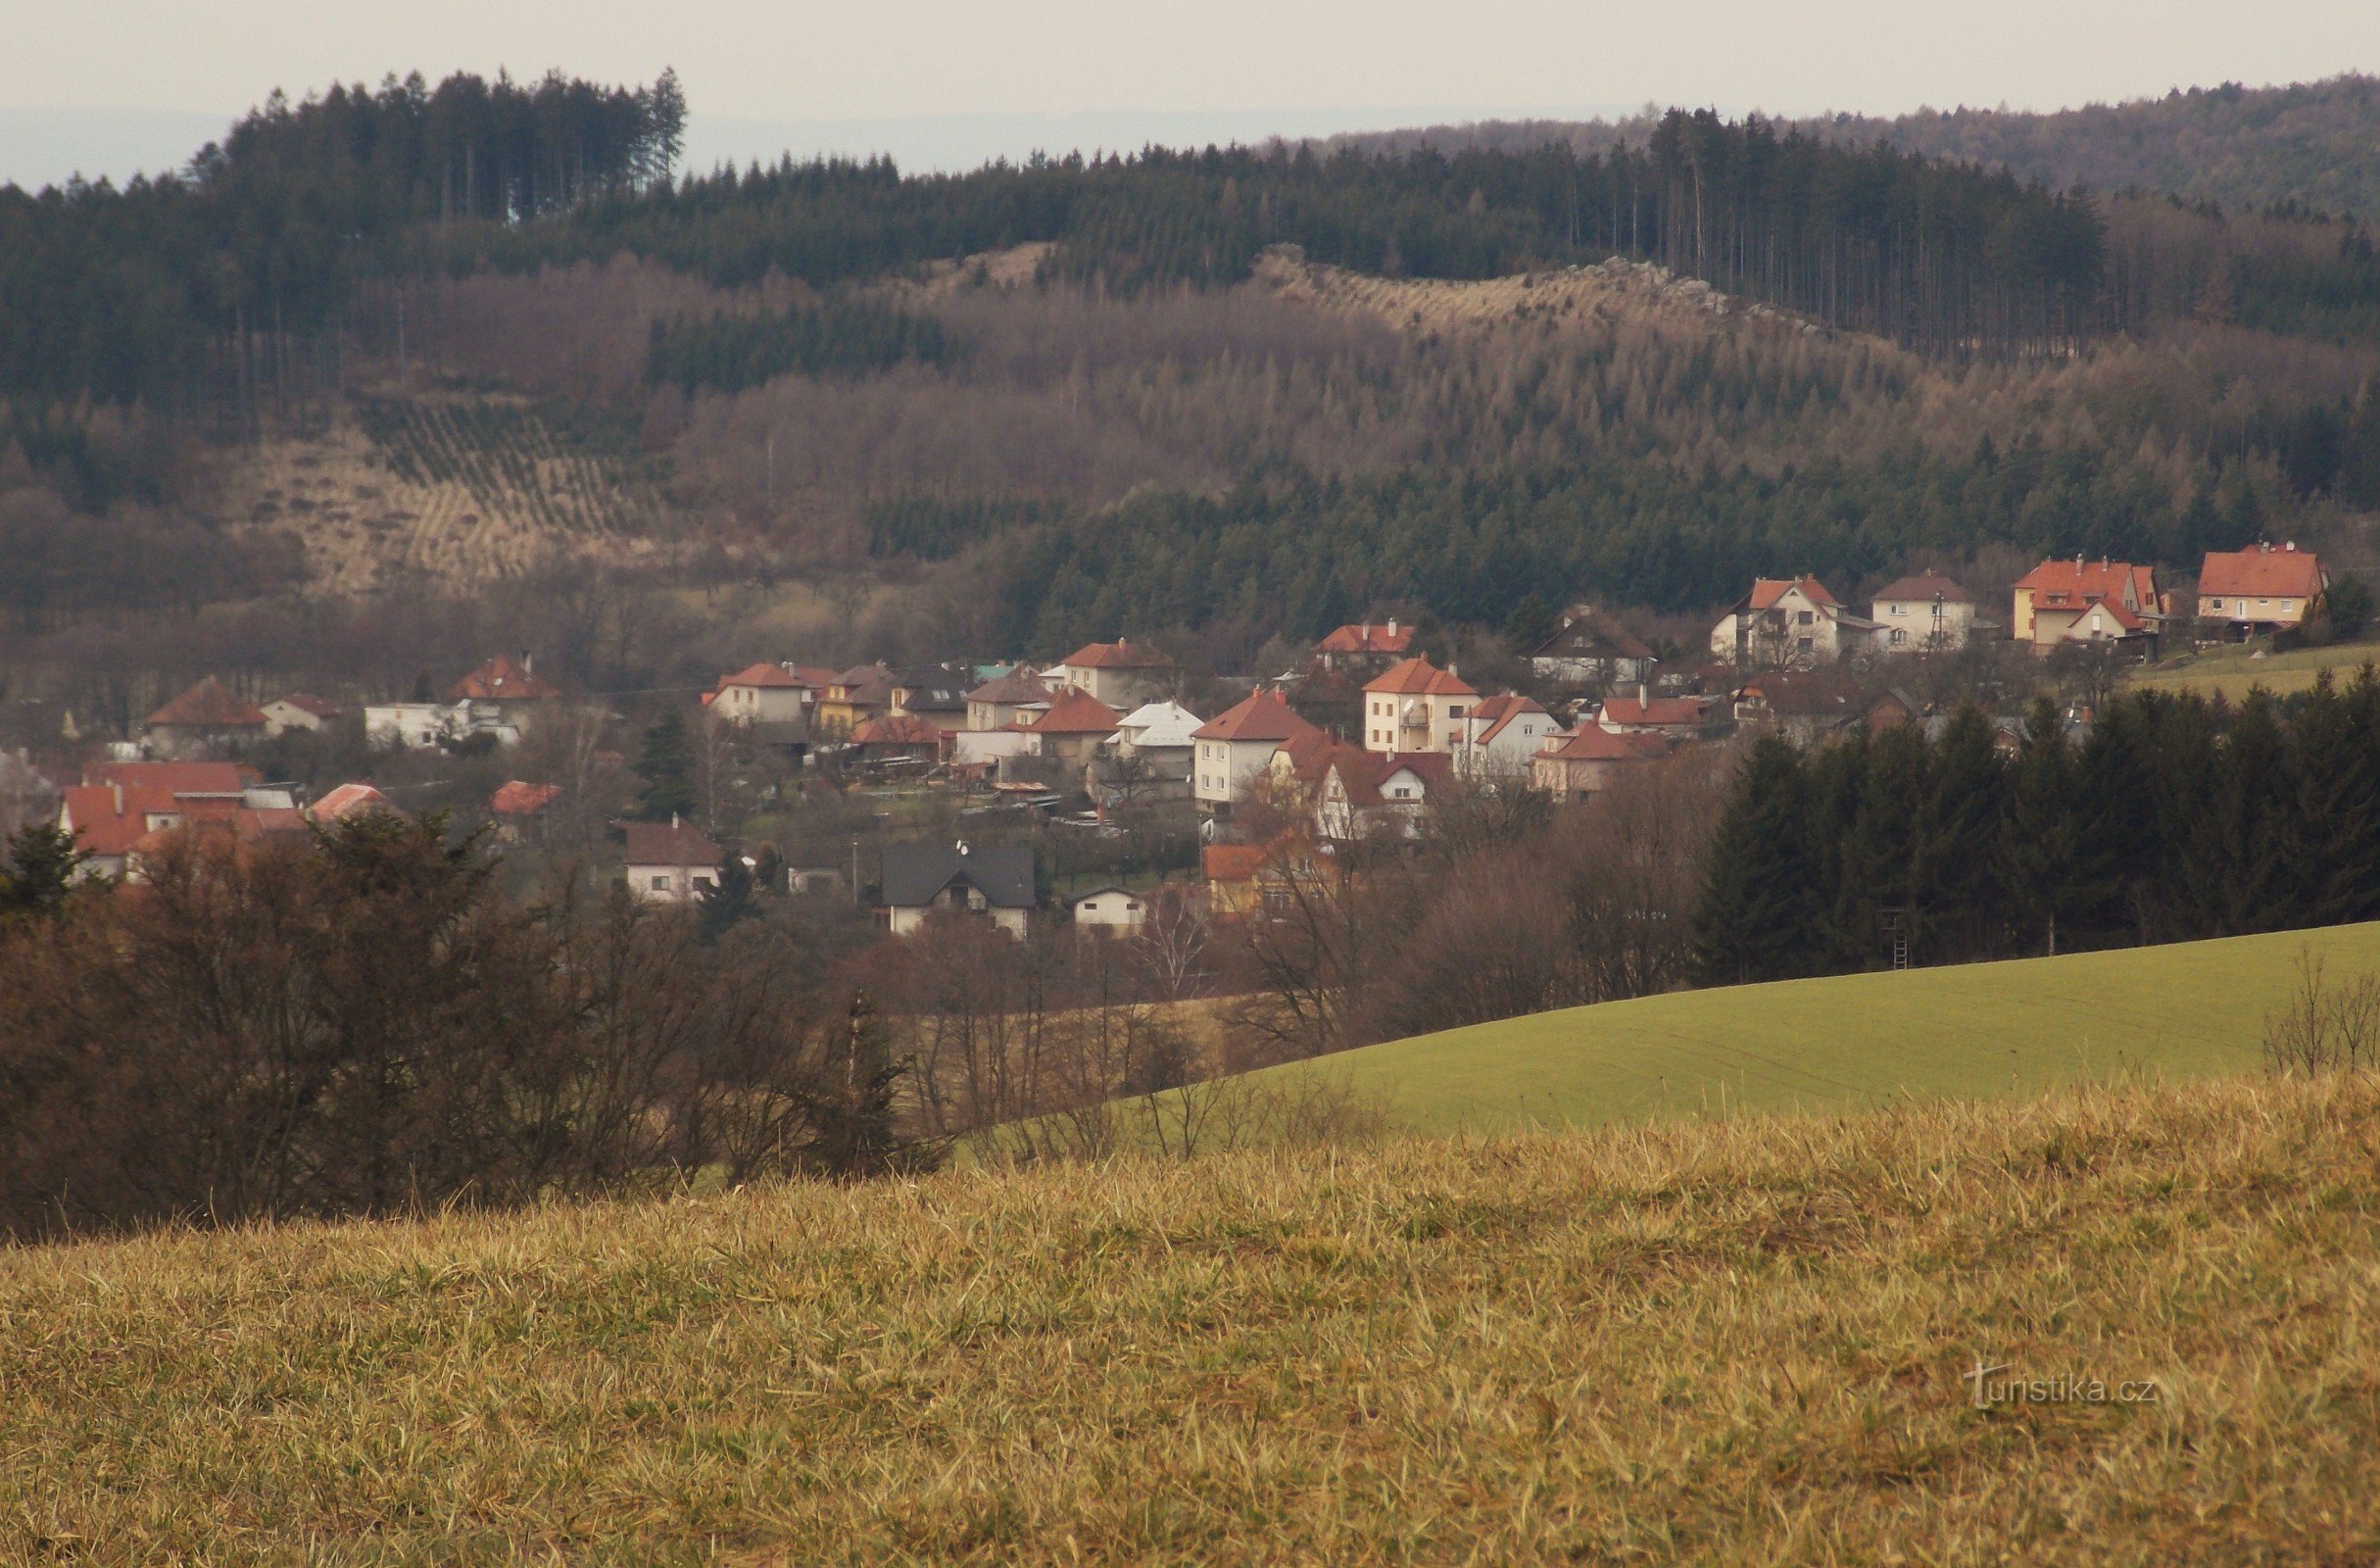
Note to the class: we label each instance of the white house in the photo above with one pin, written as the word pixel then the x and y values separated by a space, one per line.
pixel 1121 674
pixel 669 863
pixel 1371 794
pixel 1924 613
pixel 992 881
pixel 1790 623
pixel 759 694
pixel 1588 648
pixel 414 726
pixel 1500 735
pixel 1110 908
pixel 1235 748
pixel 297 711
pixel 1163 736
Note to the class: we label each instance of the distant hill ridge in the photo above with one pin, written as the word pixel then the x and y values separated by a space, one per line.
pixel 2316 144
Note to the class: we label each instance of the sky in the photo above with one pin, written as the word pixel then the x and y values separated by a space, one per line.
pixel 109 85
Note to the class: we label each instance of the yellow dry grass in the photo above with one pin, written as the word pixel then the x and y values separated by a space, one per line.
pixel 1740 1342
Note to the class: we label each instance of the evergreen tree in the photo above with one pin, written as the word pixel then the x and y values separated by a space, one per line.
pixel 1955 906
pixel 666 766
pixel 855 1130
pixel 1757 917
pixel 729 899
pixel 2330 829
pixel 40 870
pixel 2233 859
pixel 2039 869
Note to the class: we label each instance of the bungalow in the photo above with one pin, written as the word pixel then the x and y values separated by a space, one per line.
pixel 1110 908
pixel 1499 737
pixel 298 710
pixel 1121 674
pixel 1679 718
pixel 204 718
pixel 1235 748
pixel 1590 649
pixel 995 881
pixel 1583 762
pixel 1415 706
pixel 1365 648
pixel 2050 599
pixel 1788 622
pixel 1802 706
pixel 2261 589
pixel 1923 613
pixel 2109 624
pixel 670 862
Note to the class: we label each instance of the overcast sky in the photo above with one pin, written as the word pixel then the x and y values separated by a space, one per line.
pixel 1296 65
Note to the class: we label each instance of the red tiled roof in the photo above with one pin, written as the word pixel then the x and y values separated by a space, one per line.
pixel 309 702
pixel 1231 862
pixel 670 844
pixel 207 705
pixel 1498 711
pixel 1077 713
pixel 176 778
pixel 2260 572
pixel 1416 678
pixel 1767 591
pixel 345 801
pixel 1020 685
pixel 2117 613
pixel 1262 716
pixel 898 729
pixel 1121 654
pixel 1923 588
pixel 2072 585
pixel 1659 711
pixel 763 674
pixel 1367 639
pixel 521 798
pixel 501 679
pixel 1591 743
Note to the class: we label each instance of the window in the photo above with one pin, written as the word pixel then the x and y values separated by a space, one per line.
pixel 1900 610
pixel 660 884
pixel 1899 636
pixel 1456 711
pixel 706 881
pixel 2214 604
pixel 1803 617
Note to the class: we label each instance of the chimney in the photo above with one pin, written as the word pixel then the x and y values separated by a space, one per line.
pixel 1368 632
pixel 1644 695
pixel 528 662
pixel 1393 626
pixel 673 821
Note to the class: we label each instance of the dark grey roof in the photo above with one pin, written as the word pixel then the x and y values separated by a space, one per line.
pixel 913 873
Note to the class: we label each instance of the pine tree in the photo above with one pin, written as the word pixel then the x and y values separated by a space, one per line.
pixel 729 899
pixel 855 1131
pixel 1956 911
pixel 666 766
pixel 2330 822
pixel 40 870
pixel 1756 918
pixel 2040 842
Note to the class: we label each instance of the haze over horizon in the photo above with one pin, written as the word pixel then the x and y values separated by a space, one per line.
pixel 112 86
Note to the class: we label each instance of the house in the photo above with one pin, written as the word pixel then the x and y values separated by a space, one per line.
pixel 1415 707
pixel 242 832
pixel 1804 705
pixel 1641 712
pixel 2050 599
pixel 297 711
pixel 519 806
pixel 938 697
pixel 1262 881
pixel 759 693
pixel 118 803
pixel 1788 623
pixel 345 801
pixel 2109 624
pixel 1584 762
pixel 1589 649
pixel 1008 699
pixel 1237 747
pixel 1072 732
pixel 2261 589
pixel 670 862
pixel 1365 648
pixel 1923 613
pixel 1161 737
pixel 1121 674
pixel 1499 737
pixel 205 719
pixel 414 726
pixel 502 698
pixel 853 698
pixel 898 735
pixel 1110 908
pixel 995 881
pixel 1364 794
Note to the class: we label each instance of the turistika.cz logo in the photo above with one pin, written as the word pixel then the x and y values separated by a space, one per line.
pixel 1991 1388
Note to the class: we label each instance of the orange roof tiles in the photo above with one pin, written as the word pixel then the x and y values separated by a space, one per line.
pixel 1261 715
pixel 1418 677
pixel 521 798
pixel 1767 591
pixel 1591 743
pixel 208 705
pixel 1119 655
pixel 763 674
pixel 2260 572
pixel 1367 639
pixel 1077 713
pixel 501 679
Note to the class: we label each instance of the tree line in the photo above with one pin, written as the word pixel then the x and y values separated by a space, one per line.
pixel 2174 817
pixel 837 336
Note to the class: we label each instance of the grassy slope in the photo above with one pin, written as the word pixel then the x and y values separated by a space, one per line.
pixel 1741 1342
pixel 1850 1041
pixel 2233 673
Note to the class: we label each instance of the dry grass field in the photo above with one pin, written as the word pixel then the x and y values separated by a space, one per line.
pixel 2234 672
pixel 1740 1341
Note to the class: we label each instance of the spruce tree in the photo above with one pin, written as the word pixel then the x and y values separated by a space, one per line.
pixel 1955 897
pixel 666 766
pixel 1756 918
pixel 2039 865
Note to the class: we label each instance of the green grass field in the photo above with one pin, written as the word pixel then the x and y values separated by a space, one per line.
pixel 2151 1015
pixel 2233 673
pixel 1747 1341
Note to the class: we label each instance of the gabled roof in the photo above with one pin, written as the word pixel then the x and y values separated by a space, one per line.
pixel 898 729
pixel 763 675
pixel 1119 655
pixel 933 691
pixel 1020 685
pixel 2260 572
pixel 307 703
pixel 914 874
pixel 2073 583
pixel 1232 863
pixel 866 683
pixel 1670 710
pixel 1588 633
pixel 670 844
pixel 818 677
pixel 1418 677
pixel 345 801
pixel 1390 638
pixel 1802 693
pixel 2114 610
pixel 1592 743
pixel 1261 715
pixel 208 705
pixel 501 679
pixel 1767 591
pixel 1498 713
pixel 1922 587
pixel 519 798
pixel 1158 725
pixel 177 778
pixel 1076 713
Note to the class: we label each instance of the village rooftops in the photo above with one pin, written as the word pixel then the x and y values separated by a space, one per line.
pixel 763 676
pixel 1118 654
pixel 1076 713
pixel 2260 572
pixel 501 679
pixel 1261 715
pixel 1922 587
pixel 1418 677
pixel 208 705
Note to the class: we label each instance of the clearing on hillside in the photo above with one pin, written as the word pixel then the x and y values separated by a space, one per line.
pixel 1754 1342
pixel 2185 1010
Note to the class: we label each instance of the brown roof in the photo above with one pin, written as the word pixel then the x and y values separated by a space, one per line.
pixel 519 798
pixel 309 702
pixel 1077 713
pixel 1019 685
pixel 1497 712
pixel 1416 678
pixel 1922 587
pixel 2261 571
pixel 1363 773
pixel 898 729
pixel 761 675
pixel 1119 655
pixel 501 679
pixel 867 683
pixel 1586 631
pixel 208 705
pixel 347 799
pixel 1231 862
pixel 670 844
pixel 1367 639
pixel 2073 584
pixel 1659 711
pixel 1767 591
pixel 1262 716
pixel 1591 743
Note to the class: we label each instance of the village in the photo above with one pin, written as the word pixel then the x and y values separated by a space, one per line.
pixel 1096 787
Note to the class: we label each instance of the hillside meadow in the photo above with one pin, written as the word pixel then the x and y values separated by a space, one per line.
pixel 1850 1042
pixel 1752 1341
pixel 2233 673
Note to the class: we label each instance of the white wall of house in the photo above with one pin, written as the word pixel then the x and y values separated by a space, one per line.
pixel 1223 770
pixel 1110 910
pixel 1921 626
pixel 760 705
pixel 1403 722
pixel 670 884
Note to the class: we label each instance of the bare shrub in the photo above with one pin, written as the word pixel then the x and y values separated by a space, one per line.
pixel 2322 1027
